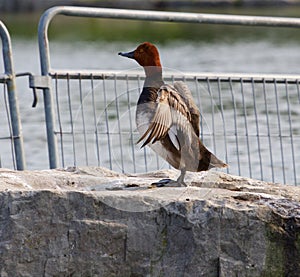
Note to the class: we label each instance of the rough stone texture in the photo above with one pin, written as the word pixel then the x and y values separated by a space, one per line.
pixel 94 222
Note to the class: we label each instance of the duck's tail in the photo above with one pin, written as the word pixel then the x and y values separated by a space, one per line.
pixel 208 160
pixel 215 162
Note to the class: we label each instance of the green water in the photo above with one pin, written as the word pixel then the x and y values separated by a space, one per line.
pixel 93 29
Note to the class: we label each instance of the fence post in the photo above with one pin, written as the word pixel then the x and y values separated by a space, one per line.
pixel 47 93
pixel 12 98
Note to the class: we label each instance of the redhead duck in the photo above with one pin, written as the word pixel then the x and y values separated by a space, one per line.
pixel 167 119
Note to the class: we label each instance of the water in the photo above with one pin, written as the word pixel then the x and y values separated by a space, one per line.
pixel 238 57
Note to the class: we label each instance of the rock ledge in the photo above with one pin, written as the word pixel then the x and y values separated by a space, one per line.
pixel 95 222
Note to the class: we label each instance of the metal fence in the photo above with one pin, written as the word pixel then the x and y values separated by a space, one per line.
pixel 249 120
pixel 11 139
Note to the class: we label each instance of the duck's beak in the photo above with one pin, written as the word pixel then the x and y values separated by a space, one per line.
pixel 127 54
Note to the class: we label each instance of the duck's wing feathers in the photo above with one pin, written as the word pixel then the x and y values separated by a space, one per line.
pixel 171 115
pixel 187 97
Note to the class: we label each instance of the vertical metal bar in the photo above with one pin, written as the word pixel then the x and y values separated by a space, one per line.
pixel 298 91
pixel 246 128
pixel 291 131
pixel 95 121
pixel 71 120
pixel 197 92
pixel 59 122
pixel 9 126
pixel 224 121
pixel 50 125
pixel 268 127
pixel 4 87
pixel 12 98
pixel 119 123
pixel 200 108
pixel 83 120
pixel 107 123
pixel 212 116
pixel 257 129
pixel 47 93
pixel 235 127
pixel 279 129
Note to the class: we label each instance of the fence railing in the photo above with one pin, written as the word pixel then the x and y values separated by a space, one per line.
pixel 11 138
pixel 250 120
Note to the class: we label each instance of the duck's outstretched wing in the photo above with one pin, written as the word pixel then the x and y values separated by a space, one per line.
pixel 171 116
pixel 187 97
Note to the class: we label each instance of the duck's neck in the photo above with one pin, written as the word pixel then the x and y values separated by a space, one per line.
pixel 153 76
pixel 152 84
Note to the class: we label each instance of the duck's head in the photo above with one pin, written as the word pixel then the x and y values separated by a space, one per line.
pixel 146 54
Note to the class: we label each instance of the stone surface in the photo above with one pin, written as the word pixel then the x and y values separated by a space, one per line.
pixel 95 222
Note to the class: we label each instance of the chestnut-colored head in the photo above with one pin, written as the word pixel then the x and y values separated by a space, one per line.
pixel 146 54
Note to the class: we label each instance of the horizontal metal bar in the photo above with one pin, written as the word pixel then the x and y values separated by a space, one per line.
pixel 174 16
pixel 39 82
pixel 209 134
pixel 4 78
pixel 5 138
pixel 189 76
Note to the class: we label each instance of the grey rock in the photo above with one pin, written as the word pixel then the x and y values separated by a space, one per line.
pixel 95 222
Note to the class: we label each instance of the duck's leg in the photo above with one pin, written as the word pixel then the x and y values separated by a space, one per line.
pixel 172 183
pixel 180 179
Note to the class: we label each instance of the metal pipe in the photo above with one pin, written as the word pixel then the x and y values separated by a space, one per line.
pixel 47 92
pixel 46 69
pixel 12 98
pixel 171 16
pixel 189 76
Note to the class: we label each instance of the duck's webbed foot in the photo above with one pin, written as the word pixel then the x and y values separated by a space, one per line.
pixel 162 183
pixel 167 183
pixel 171 183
